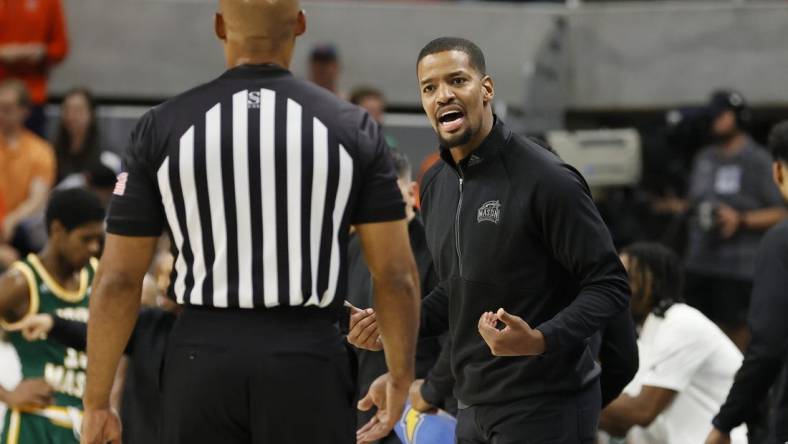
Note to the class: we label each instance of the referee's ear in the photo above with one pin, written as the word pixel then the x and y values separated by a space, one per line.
pixel 218 26
pixel 300 28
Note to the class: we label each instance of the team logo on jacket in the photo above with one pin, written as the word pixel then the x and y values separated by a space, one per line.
pixel 489 212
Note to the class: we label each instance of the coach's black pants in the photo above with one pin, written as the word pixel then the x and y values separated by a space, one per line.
pixel 281 376
pixel 568 419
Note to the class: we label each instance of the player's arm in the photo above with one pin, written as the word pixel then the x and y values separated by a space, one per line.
pixel 641 410
pixel 14 296
pixel 15 306
pixel 72 334
pixel 114 306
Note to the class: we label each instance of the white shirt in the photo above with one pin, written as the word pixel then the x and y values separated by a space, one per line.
pixel 687 353
pixel 10 372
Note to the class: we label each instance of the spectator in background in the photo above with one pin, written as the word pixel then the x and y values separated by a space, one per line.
pixel 32 40
pixel 27 165
pixel 78 141
pixel 373 100
pixel 732 200
pixel 324 68
pixel 686 362
pixel 767 353
pixel 735 202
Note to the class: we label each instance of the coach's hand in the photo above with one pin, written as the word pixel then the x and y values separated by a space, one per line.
pixel 389 396
pixel 363 328
pixel 517 338
pixel 100 426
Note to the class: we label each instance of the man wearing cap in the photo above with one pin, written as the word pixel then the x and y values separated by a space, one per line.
pixel 324 68
pixel 732 201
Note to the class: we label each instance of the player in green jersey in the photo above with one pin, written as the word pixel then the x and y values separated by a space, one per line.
pixel 46 407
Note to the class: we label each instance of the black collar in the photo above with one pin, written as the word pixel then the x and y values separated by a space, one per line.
pixel 484 152
pixel 255 71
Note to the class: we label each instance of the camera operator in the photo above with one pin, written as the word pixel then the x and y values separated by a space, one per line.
pixel 731 202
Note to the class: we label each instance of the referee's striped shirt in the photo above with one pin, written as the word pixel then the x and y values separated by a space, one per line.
pixel 257 176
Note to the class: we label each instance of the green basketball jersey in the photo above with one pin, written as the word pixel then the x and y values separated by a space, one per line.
pixel 62 367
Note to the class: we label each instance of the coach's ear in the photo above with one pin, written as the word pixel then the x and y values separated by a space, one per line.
pixel 488 89
pixel 218 27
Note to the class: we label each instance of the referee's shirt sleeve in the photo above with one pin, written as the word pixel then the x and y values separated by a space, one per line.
pixel 136 207
pixel 379 199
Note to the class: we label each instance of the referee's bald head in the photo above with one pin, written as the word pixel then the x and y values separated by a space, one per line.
pixel 259 29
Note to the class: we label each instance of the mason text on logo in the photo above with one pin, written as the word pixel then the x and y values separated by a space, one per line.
pixel 489 212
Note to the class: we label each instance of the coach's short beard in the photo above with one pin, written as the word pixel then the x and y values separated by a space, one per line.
pixel 461 140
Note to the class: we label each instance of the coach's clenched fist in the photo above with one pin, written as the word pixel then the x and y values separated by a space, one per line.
pixel 517 338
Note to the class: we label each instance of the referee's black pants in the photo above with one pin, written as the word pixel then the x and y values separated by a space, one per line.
pixel 557 419
pixel 277 376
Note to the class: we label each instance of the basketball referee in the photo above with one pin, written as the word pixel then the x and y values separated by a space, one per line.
pixel 257 176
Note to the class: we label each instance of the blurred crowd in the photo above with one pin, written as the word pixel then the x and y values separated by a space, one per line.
pixel 718 208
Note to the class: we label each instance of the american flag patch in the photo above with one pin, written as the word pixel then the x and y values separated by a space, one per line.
pixel 120 185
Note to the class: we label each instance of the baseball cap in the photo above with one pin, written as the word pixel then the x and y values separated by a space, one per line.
pixel 722 100
pixel 425 428
pixel 325 52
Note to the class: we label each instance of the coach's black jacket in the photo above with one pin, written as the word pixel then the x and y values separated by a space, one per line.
pixel 513 226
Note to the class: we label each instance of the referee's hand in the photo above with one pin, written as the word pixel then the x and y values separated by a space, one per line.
pixel 389 397
pixel 100 426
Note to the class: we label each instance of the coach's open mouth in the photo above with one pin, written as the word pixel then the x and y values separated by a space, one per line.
pixel 451 119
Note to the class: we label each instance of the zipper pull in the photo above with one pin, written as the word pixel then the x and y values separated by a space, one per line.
pixel 461 184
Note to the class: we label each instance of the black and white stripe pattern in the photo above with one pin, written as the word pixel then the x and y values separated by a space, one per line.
pixel 255 198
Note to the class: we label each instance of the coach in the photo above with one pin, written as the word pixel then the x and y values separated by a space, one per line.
pixel 527 269
pixel 517 241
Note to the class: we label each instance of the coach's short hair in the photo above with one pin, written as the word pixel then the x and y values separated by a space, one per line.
pixel 778 141
pixel 73 207
pixel 443 44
